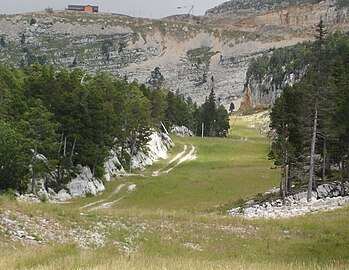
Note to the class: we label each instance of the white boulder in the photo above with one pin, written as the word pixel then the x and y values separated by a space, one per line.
pixel 112 166
pixel 182 131
pixel 62 195
pixel 131 187
pixel 157 148
pixel 84 183
pixel 140 160
pixel 322 191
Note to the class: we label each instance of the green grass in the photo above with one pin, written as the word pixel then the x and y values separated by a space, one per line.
pixel 201 55
pixel 225 170
pixel 165 224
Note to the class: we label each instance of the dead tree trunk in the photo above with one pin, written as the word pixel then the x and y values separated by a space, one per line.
pixel 289 176
pixel 324 160
pixel 341 168
pixel 33 174
pixel 312 152
pixel 283 177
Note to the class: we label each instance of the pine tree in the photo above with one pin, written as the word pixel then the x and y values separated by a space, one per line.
pixel 318 69
pixel 209 114
pixel 14 158
pixel 159 106
pixel 2 41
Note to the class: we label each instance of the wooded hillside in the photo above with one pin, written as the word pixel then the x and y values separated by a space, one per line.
pixel 53 120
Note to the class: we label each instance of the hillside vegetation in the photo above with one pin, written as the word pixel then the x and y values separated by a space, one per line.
pixel 73 119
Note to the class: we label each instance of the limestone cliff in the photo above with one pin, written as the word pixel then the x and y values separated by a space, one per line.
pixel 193 54
pixel 261 93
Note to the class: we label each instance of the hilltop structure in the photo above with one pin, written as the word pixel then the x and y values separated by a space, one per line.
pixel 88 8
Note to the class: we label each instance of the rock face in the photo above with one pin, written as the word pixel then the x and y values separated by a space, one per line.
pixel 157 148
pixel 295 14
pixel 331 190
pixel 85 184
pixel 112 166
pixel 187 55
pixel 327 197
pixel 262 93
pixel 182 131
pixel 192 54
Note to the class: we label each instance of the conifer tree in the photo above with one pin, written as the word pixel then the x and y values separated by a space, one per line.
pixel 319 64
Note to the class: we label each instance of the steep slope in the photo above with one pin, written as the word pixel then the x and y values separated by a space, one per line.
pixel 193 54
pixel 297 14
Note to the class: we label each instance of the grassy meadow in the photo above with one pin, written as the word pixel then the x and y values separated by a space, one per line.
pixel 172 221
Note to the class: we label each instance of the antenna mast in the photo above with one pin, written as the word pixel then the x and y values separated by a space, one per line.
pixel 191 10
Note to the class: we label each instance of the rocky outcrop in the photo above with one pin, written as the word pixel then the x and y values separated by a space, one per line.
pixel 85 184
pixel 326 197
pixel 182 131
pixel 156 148
pixel 288 16
pixel 305 15
pixel 113 166
pixel 262 92
pixel 192 54
pixel 184 53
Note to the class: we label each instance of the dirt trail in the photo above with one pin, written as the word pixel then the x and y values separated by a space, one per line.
pixel 183 156
pixel 116 191
pixel 171 165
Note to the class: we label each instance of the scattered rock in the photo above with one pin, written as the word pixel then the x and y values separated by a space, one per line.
pixel 322 191
pixel 326 198
pixel 182 131
pixel 193 246
pixel 131 187
pixel 63 195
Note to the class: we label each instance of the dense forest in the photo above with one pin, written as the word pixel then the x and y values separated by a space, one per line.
pixel 54 120
pixel 311 118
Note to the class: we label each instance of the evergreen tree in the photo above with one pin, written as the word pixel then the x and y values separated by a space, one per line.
pixel 318 68
pixel 14 159
pixel 159 106
pixel 2 41
pixel 209 115
pixel 214 119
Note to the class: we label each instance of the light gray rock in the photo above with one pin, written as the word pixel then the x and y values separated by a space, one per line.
pixel 289 199
pixel 322 192
pixel 84 184
pixel 62 195
pixel 51 192
pixel 21 234
pixel 140 160
pixel 250 211
pixel 28 198
pixel 335 192
pixel 235 211
pixel 157 147
pixel 131 187
pixel 29 237
pixel 346 187
pixel 296 205
pixel 272 191
pixel 112 166
pixel 182 131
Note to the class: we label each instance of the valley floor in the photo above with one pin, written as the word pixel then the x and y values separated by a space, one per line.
pixel 171 217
